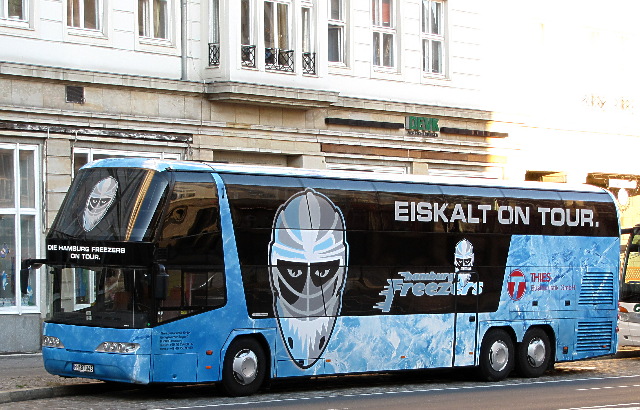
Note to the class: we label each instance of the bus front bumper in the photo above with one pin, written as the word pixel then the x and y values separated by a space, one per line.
pixel 126 368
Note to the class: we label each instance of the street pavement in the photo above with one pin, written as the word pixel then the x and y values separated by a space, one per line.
pixel 23 377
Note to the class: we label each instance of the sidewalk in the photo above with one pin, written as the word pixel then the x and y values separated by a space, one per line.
pixel 23 377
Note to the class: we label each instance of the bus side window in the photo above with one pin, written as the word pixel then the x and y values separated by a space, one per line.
pixel 192 290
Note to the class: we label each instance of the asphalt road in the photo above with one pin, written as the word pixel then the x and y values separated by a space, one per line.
pixel 611 383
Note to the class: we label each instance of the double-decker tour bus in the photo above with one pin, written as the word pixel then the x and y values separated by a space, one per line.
pixel 185 272
pixel 629 317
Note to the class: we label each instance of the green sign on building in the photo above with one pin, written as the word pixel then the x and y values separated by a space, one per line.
pixel 422 126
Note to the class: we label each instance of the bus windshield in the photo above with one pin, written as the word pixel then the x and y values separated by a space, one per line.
pixel 97 209
pixel 630 284
pixel 115 230
pixel 109 297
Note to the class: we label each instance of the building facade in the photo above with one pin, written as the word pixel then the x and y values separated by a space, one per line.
pixel 440 87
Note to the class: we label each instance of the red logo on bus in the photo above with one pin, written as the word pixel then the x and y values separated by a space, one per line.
pixel 517 285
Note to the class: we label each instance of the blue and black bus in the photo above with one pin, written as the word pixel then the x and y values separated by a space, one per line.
pixel 186 272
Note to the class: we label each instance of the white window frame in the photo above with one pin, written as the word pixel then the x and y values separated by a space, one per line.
pixel 250 19
pixel 99 7
pixel 4 10
pixel 383 32
pixel 214 18
pixel 340 25
pixel 17 211
pixel 247 31
pixel 279 43
pixel 308 43
pixel 431 35
pixel 112 153
pixel 20 22
pixel 307 27
pixel 146 26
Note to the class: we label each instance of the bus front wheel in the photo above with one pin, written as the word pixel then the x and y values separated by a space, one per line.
pixel 534 353
pixel 244 367
pixel 496 355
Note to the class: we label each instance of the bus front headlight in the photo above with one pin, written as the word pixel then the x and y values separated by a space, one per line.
pixel 117 347
pixel 51 341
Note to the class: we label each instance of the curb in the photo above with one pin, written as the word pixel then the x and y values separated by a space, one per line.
pixel 49 392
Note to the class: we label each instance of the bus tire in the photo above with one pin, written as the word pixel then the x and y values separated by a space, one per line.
pixel 496 355
pixel 244 367
pixel 534 353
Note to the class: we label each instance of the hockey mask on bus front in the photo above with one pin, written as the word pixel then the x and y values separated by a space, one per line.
pixel 307 258
pixel 100 199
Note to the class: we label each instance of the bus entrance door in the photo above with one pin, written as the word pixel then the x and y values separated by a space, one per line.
pixel 466 318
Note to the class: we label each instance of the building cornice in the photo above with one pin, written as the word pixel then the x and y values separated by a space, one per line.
pixel 237 92
pixel 84 77
pixel 260 94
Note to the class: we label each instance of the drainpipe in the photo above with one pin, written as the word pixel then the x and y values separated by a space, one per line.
pixel 183 38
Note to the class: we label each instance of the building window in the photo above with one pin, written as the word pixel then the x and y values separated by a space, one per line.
pixel 82 156
pixel 153 18
pixel 13 9
pixel 248 46
pixel 19 226
pixel 337 31
pixel 308 49
pixel 384 32
pixel 84 14
pixel 278 55
pixel 214 36
pixel 433 37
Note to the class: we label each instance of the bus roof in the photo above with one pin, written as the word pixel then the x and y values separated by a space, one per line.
pixel 166 165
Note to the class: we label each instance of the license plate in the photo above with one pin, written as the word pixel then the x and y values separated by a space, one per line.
pixel 83 368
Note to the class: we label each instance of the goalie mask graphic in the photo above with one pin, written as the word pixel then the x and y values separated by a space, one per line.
pixel 100 199
pixel 463 261
pixel 307 258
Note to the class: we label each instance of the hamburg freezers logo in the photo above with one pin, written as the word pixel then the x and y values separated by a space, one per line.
pixel 517 285
pixel 435 283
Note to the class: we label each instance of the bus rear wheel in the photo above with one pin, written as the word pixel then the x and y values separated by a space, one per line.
pixel 496 355
pixel 244 368
pixel 534 353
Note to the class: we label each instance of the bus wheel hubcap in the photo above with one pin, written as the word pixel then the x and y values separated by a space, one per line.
pixel 536 352
pixel 245 366
pixel 498 355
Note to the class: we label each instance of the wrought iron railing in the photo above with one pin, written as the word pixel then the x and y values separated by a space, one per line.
pixel 278 60
pixel 248 55
pixel 309 63
pixel 214 54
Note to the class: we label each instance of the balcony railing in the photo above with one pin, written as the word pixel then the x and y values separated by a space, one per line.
pixel 278 60
pixel 214 54
pixel 309 63
pixel 248 55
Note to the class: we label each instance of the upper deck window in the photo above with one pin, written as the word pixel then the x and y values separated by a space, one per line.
pixel 109 204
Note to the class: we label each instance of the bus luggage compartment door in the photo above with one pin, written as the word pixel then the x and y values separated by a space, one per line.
pixel 175 368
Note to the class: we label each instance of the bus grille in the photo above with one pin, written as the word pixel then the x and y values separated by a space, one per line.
pixel 597 289
pixel 594 336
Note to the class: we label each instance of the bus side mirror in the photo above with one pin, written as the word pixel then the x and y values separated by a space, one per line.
pixel 161 281
pixel 24 280
pixel 25 270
